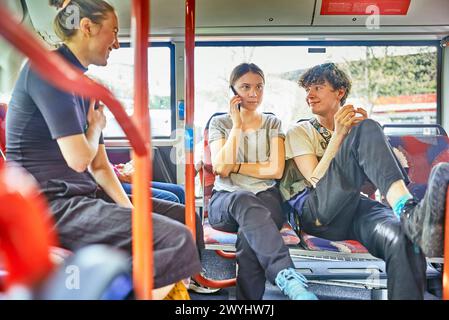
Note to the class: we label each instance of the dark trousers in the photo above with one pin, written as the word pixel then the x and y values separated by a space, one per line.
pixel 336 210
pixel 173 210
pixel 83 220
pixel 257 219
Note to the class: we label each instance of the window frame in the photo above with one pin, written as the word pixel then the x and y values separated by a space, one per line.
pixel 171 48
pixel 345 43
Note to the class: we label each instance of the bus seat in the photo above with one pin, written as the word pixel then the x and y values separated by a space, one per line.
pixel 422 153
pixel 215 239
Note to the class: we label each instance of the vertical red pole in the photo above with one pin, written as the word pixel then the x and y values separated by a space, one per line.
pixel 142 224
pixel 189 135
pixel 190 111
pixel 446 251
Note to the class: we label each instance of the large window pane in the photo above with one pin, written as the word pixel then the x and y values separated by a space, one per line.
pixel 118 76
pixel 396 84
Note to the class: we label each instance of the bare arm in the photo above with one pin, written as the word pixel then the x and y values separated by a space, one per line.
pixel 308 164
pixel 103 173
pixel 224 151
pixel 271 169
pixel 79 150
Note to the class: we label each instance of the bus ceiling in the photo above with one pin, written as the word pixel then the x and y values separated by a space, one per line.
pixel 280 19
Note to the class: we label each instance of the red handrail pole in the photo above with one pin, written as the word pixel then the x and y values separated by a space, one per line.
pixel 142 223
pixel 446 251
pixel 26 229
pixel 189 136
pixel 190 111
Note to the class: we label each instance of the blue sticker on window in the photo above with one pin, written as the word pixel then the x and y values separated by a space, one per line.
pixel 189 139
pixel 181 110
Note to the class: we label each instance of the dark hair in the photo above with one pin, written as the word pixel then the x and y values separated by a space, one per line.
pixel 243 69
pixel 327 72
pixel 95 10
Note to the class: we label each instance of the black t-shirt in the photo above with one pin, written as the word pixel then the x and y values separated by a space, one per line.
pixel 38 114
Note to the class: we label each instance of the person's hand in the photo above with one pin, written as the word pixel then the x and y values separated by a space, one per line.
pixel 125 172
pixel 348 117
pixel 360 115
pixel 343 119
pixel 96 117
pixel 235 112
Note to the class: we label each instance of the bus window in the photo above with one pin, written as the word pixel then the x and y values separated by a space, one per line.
pixel 118 75
pixel 394 83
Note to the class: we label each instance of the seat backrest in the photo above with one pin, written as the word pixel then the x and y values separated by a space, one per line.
pixel 207 175
pixel 413 129
pixel 422 154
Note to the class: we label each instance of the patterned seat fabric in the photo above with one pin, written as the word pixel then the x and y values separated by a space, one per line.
pixel 207 177
pixel 422 153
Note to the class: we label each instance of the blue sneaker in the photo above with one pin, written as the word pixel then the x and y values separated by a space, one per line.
pixel 293 285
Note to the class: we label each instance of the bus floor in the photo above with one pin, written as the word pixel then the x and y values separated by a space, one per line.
pixel 218 268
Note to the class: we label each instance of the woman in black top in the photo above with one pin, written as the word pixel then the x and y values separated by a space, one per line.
pixel 57 137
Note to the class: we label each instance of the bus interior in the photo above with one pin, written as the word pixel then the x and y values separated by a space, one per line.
pixel 396 53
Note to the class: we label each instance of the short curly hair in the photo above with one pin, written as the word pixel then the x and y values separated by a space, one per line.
pixel 327 72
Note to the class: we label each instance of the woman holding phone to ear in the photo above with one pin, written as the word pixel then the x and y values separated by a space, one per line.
pixel 247 152
pixel 235 93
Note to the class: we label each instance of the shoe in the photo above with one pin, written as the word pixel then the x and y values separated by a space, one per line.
pixel 423 222
pixel 293 285
pixel 199 288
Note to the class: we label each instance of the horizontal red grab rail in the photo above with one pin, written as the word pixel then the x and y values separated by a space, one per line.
pixel 64 76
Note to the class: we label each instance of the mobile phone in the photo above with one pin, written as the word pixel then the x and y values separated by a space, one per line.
pixel 235 92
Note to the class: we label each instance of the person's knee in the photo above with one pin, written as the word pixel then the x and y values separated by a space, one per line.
pixel 168 196
pixel 368 126
pixel 177 189
pixel 184 238
pixel 394 239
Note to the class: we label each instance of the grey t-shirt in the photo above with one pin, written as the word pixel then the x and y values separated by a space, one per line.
pixel 301 139
pixel 254 147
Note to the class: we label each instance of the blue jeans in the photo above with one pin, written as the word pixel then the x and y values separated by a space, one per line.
pixel 162 190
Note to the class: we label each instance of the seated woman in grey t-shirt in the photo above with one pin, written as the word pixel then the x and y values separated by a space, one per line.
pixel 247 151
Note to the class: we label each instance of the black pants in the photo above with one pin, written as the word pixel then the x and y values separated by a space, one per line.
pixel 343 213
pixel 257 219
pixel 173 210
pixel 84 220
